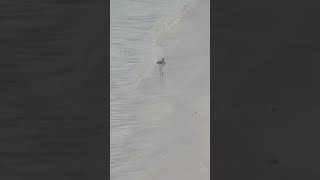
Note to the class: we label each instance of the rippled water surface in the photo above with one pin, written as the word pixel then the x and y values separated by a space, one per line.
pixel 136 28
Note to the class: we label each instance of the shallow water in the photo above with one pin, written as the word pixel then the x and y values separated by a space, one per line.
pixel 137 27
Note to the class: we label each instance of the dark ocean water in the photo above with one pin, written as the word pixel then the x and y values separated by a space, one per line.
pixel 54 90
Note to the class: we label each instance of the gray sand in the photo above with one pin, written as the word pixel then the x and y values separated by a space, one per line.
pixel 182 134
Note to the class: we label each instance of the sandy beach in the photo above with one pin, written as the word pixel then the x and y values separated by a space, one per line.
pixel 181 121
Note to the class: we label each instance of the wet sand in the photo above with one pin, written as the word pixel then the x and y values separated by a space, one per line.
pixel 181 121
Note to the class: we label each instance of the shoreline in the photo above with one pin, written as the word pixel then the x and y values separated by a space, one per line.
pixel 180 135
